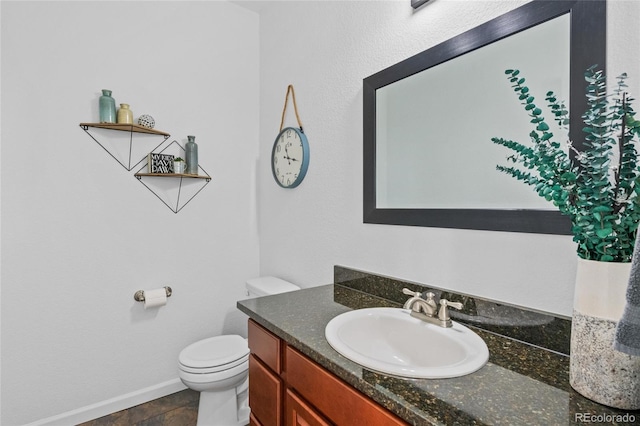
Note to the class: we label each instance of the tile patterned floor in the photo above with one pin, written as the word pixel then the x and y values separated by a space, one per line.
pixel 178 409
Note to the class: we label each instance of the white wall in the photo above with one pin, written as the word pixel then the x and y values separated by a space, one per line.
pixel 325 49
pixel 75 238
pixel 80 234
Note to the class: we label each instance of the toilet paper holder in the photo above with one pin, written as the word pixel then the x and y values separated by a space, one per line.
pixel 139 295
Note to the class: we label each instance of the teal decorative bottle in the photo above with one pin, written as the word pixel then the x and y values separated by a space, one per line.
pixel 191 154
pixel 107 107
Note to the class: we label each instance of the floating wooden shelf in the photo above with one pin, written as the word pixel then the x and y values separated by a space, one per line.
pixel 175 190
pixel 135 128
pixel 175 193
pixel 181 175
pixel 120 145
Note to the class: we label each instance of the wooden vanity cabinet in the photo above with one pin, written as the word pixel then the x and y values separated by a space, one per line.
pixel 288 389
pixel 299 413
pixel 265 394
pixel 265 384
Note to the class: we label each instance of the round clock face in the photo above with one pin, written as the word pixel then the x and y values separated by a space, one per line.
pixel 290 157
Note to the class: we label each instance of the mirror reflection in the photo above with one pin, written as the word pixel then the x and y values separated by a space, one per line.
pixel 429 120
pixel 434 128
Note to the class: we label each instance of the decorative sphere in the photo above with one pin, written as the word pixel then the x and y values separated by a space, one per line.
pixel 146 120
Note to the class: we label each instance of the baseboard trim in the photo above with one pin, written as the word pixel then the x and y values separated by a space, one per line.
pixel 103 408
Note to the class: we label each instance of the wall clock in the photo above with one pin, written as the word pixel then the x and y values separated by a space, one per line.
pixel 290 154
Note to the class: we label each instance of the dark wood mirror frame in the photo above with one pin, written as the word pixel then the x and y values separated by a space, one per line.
pixel 588 47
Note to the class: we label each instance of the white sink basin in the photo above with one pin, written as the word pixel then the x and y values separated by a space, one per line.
pixel 390 341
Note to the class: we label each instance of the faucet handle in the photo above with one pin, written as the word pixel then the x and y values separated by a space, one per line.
pixel 411 293
pixel 443 312
pixel 456 305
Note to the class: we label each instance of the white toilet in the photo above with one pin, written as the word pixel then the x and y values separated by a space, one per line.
pixel 218 367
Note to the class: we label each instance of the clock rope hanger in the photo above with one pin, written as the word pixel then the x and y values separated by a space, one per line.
pixel 290 154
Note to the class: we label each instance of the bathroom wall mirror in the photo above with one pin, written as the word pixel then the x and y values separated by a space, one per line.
pixel 428 120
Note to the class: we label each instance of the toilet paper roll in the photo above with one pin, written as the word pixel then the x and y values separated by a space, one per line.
pixel 155 297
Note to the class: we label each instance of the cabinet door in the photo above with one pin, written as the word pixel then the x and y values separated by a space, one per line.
pixel 265 346
pixel 253 421
pixel 336 400
pixel 298 413
pixel 265 394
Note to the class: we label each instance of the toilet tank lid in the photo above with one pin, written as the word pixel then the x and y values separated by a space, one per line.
pixel 269 285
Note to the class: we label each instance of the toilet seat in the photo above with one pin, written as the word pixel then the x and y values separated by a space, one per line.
pixel 214 354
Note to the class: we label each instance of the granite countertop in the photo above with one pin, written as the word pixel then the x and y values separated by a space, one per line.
pixel 521 384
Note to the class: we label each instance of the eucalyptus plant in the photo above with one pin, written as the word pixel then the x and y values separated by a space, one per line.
pixel 597 187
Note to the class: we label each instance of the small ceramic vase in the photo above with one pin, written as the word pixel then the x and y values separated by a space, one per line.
pixel 125 115
pixel 179 167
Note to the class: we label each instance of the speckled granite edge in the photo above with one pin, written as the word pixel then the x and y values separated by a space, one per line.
pixel 542 365
pixel 306 334
pixel 547 331
pixel 521 383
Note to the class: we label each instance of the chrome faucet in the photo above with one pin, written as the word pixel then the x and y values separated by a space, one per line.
pixel 427 309
pixel 418 304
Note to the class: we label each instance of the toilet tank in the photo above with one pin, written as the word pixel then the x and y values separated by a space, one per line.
pixel 264 286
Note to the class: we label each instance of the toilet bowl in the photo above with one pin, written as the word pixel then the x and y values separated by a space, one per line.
pixel 218 367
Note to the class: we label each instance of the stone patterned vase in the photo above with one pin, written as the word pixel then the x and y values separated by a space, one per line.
pixel 597 370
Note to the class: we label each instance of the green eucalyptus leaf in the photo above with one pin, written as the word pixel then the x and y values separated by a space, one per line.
pixel 603 226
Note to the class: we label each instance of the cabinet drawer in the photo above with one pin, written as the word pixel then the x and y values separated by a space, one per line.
pixel 265 394
pixel 298 413
pixel 336 400
pixel 253 421
pixel 265 346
